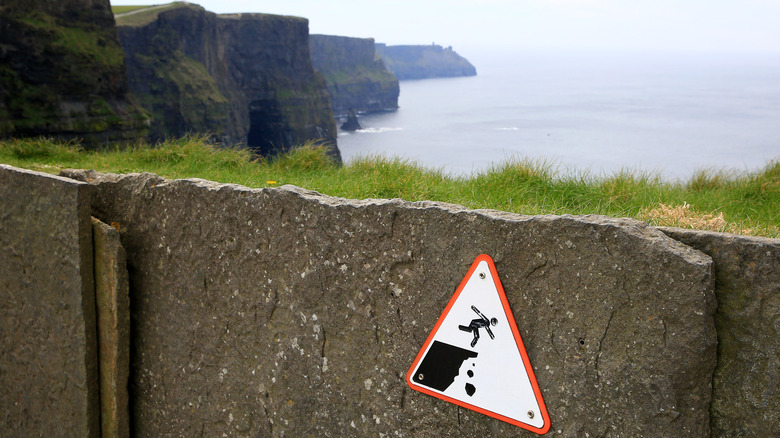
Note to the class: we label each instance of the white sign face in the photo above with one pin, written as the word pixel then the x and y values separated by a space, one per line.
pixel 474 357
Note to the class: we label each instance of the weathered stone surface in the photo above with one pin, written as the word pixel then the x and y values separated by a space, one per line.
pixel 281 312
pixel 113 325
pixel 48 357
pixel 746 385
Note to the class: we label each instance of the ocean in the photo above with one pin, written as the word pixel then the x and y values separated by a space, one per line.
pixel 669 114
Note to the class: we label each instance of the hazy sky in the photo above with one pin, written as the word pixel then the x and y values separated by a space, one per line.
pixel 733 25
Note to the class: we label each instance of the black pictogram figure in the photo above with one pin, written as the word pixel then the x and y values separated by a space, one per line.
pixel 476 324
pixel 441 365
pixel 470 389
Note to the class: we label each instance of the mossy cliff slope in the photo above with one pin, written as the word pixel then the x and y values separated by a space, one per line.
pixel 246 78
pixel 62 73
pixel 357 79
pixel 167 54
pixel 421 62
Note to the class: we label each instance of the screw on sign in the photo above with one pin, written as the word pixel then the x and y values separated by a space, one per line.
pixel 492 376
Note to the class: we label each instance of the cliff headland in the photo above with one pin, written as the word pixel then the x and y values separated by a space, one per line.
pixel 422 62
pixel 357 78
pixel 246 78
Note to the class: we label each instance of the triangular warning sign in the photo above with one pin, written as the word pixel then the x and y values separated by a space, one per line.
pixel 474 356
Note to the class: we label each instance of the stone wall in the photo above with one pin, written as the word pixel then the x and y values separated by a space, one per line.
pixel 746 385
pixel 282 312
pixel 48 347
pixel 113 327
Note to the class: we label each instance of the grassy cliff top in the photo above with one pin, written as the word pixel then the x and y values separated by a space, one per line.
pixel 711 200
pixel 123 9
pixel 143 15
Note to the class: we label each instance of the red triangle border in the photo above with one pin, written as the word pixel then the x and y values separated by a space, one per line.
pixel 518 340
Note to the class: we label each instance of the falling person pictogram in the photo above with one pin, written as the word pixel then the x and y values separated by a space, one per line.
pixel 493 377
pixel 476 324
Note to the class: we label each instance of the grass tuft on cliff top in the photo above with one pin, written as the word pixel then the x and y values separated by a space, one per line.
pixel 711 200
pixel 126 9
pixel 143 15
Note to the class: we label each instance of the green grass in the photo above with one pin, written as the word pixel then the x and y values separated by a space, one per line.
pixel 124 9
pixel 150 13
pixel 719 201
pixel 89 44
pixel 82 40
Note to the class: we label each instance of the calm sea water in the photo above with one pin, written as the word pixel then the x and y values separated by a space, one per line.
pixel 671 114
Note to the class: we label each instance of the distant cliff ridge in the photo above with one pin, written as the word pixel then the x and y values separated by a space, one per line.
pixel 62 73
pixel 421 62
pixel 245 78
pixel 357 79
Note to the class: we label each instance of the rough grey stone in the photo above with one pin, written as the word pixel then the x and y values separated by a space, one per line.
pixel 48 352
pixel 113 326
pixel 746 385
pixel 281 312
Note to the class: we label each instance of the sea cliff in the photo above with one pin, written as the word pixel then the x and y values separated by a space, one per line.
pixel 421 62
pixel 62 73
pixel 357 79
pixel 245 78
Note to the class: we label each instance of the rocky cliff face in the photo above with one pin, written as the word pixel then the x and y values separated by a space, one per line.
pixel 357 79
pixel 62 73
pixel 246 78
pixel 421 62
pixel 168 59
